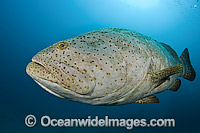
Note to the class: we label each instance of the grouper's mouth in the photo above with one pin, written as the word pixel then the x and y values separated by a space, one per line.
pixel 39 64
pixel 36 60
pixel 37 70
pixel 42 76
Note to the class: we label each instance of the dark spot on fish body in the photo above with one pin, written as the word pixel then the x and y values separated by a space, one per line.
pixel 107 73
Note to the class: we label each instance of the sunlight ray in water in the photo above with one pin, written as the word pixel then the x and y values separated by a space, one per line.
pixel 142 4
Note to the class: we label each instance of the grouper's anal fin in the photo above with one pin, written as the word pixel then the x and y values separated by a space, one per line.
pixel 148 99
pixel 165 73
pixel 175 86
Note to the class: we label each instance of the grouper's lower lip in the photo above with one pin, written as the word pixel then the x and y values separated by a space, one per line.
pixel 40 75
pixel 33 67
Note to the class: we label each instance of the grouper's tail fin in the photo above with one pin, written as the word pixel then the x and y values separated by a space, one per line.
pixel 188 70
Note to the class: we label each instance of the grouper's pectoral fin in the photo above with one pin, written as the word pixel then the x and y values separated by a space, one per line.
pixel 148 99
pixel 176 85
pixel 165 73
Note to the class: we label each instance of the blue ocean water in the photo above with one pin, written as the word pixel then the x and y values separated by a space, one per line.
pixel 27 27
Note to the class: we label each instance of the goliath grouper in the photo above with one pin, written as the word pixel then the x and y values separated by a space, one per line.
pixel 110 66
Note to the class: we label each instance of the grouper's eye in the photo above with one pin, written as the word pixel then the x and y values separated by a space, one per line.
pixel 62 45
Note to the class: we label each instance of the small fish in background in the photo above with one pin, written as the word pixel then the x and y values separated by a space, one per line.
pixel 195 6
pixel 110 66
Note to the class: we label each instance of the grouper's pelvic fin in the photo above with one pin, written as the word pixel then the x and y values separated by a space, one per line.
pixel 165 73
pixel 148 99
pixel 188 70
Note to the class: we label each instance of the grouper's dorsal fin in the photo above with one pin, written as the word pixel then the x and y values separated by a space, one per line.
pixel 148 99
pixel 163 74
pixel 170 50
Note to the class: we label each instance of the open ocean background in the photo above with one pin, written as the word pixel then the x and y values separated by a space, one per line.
pixel 28 26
